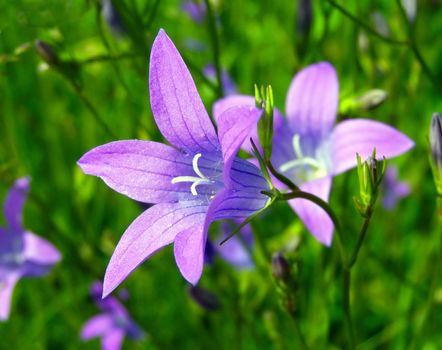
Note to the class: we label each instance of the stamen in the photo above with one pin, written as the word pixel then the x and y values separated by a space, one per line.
pixel 300 162
pixel 297 146
pixel 200 180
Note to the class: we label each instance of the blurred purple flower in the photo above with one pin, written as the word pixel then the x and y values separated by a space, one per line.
pixel 197 11
pixel 309 150
pixel 233 250
pixel 393 189
pixel 229 86
pixel 192 184
pixel 22 253
pixel 112 17
pixel 112 325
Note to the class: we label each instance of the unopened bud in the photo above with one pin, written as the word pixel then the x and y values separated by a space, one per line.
pixel 204 298
pixel 280 267
pixel 371 99
pixel 370 173
pixel 46 52
pixel 436 150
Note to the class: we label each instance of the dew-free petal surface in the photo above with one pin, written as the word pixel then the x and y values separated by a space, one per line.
pixel 152 230
pixel 14 202
pixel 97 326
pixel 312 100
pixel 315 219
pixel 175 102
pixel 6 288
pixel 362 136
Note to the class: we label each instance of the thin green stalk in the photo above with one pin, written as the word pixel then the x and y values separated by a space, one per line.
pixel 347 310
pixel 302 343
pixel 285 180
pixel 211 23
pixel 361 238
pixel 366 26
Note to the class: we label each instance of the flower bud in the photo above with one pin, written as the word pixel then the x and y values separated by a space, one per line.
pixel 371 99
pixel 204 298
pixel 280 267
pixel 370 173
pixel 436 150
pixel 46 52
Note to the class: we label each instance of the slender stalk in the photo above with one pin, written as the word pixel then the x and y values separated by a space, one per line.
pixel 347 310
pixel 211 23
pixel 366 26
pixel 285 180
pixel 302 343
pixel 315 199
pixel 362 234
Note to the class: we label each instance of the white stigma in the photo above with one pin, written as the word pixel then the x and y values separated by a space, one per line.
pixel 200 180
pixel 302 161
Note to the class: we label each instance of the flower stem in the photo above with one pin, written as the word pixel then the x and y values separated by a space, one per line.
pixel 362 234
pixel 347 310
pixel 285 180
pixel 215 45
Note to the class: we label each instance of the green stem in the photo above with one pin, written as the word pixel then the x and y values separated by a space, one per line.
pixel 211 22
pixel 365 26
pixel 315 199
pixel 285 180
pixel 361 238
pixel 347 310
pixel 302 343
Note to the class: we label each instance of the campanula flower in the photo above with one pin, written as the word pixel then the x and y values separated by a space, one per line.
pixel 436 150
pixel 193 183
pixel 196 10
pixel 310 150
pixel 393 189
pixel 22 253
pixel 112 325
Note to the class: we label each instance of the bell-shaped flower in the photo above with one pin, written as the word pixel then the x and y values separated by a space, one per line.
pixel 192 183
pixel 112 325
pixel 307 147
pixel 22 253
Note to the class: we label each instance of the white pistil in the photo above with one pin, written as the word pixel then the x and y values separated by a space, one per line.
pixel 200 180
pixel 301 160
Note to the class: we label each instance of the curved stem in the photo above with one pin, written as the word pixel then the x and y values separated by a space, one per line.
pixel 315 199
pixel 347 310
pixel 362 234
pixel 215 45
pixel 285 180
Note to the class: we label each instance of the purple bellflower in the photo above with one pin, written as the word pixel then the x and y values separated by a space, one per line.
pixel 309 150
pixel 229 86
pixel 22 253
pixel 195 182
pixel 197 11
pixel 393 188
pixel 112 325
pixel 233 250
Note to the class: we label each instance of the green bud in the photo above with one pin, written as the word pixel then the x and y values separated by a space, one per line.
pixel 436 150
pixel 371 99
pixel 46 52
pixel 370 173
pixel 280 268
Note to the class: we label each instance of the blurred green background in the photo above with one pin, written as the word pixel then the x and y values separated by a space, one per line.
pixel 51 114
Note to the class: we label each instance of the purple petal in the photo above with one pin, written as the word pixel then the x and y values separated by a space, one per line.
pixel 312 100
pixel 6 288
pixel 314 217
pixel 97 326
pixel 176 104
pixel 152 230
pixel 113 340
pixel 362 136
pixel 279 123
pixel 39 250
pixel 189 248
pixel 141 170
pixel 14 202
pixel 234 125
pixel 233 251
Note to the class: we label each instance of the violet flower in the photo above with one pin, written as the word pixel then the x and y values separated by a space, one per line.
pixel 112 17
pixel 229 86
pixel 309 150
pixel 22 253
pixel 112 325
pixel 233 250
pixel 197 11
pixel 393 189
pixel 195 182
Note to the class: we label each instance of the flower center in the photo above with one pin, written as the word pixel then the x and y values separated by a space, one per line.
pixel 304 168
pixel 201 179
